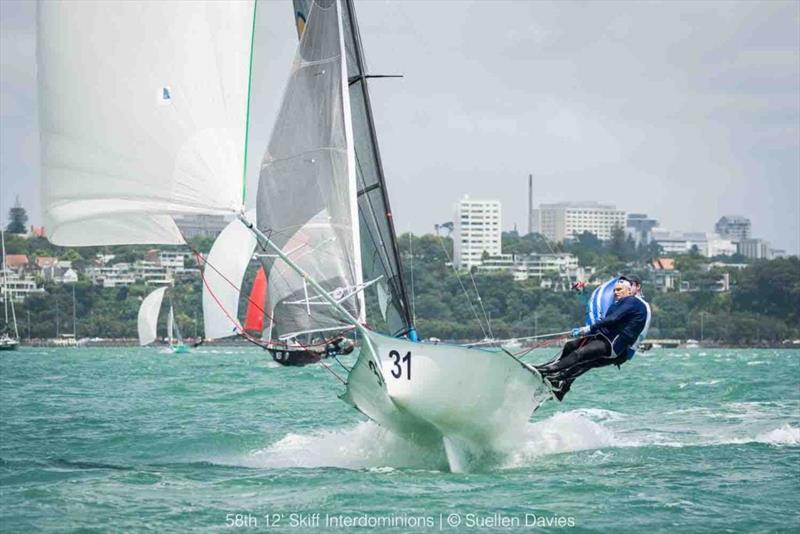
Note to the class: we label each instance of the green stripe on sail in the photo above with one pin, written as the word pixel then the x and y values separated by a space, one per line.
pixel 249 90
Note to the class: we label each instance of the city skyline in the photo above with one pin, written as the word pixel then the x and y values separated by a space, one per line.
pixel 687 112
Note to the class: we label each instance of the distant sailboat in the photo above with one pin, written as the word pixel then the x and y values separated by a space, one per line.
pixel 223 275
pixel 254 318
pixel 174 338
pixel 223 271
pixel 147 322
pixel 7 341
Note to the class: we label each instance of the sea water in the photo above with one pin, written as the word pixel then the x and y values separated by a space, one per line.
pixel 223 439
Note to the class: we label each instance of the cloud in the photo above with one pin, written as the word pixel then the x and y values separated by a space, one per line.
pixel 684 110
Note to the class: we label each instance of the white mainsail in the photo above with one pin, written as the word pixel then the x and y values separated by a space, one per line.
pixel 307 186
pixel 143 112
pixel 223 273
pixel 148 316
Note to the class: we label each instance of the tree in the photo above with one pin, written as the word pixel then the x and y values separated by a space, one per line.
pixel 770 288
pixel 71 255
pixel 17 219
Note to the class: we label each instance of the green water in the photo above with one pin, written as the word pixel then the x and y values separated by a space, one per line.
pixel 137 440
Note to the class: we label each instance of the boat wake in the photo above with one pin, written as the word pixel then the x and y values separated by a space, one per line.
pixel 369 446
pixel 363 446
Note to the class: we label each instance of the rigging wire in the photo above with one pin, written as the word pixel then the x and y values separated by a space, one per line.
pixel 460 283
pixel 478 296
pixel 480 303
pixel 413 295
pixel 562 268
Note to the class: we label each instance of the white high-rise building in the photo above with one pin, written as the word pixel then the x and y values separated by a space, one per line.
pixel 476 229
pixel 757 249
pixel 570 219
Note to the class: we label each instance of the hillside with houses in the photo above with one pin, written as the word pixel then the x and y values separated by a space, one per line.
pixel 533 286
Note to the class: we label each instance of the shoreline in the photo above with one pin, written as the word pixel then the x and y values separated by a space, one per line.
pixel 133 342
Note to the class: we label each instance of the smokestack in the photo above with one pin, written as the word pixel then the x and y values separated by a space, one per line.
pixel 530 203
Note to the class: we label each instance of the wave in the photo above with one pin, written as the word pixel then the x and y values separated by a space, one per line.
pixel 370 447
pixel 565 432
pixel 785 435
pixel 365 446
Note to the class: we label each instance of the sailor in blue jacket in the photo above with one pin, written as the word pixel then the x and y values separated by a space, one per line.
pixel 611 340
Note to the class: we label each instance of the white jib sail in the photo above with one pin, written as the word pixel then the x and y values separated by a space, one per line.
pixel 148 316
pixel 307 188
pixel 170 325
pixel 223 272
pixel 143 112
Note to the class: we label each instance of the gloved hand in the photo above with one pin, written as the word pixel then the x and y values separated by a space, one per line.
pixel 579 331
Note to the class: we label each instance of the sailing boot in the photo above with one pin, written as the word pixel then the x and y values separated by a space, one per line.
pixel 561 389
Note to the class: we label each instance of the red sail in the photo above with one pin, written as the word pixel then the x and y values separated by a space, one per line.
pixel 254 321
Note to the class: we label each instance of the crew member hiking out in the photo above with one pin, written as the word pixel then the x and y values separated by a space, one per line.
pixel 610 339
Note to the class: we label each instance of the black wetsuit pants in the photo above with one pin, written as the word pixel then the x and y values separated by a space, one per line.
pixel 578 356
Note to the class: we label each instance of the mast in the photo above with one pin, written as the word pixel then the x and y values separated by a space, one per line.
pixel 361 81
pixel 14 319
pixel 170 323
pixel 6 294
pixel 74 326
pixel 5 281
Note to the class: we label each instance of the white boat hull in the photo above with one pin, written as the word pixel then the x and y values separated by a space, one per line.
pixel 468 400
pixel 9 344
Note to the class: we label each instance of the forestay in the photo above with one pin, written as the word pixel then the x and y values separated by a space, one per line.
pixel 307 187
pixel 143 111
pixel 148 316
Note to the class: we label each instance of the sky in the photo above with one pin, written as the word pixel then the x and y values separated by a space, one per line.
pixel 686 111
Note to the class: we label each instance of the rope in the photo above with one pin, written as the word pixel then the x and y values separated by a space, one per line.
pixel 540 336
pixel 480 302
pixel 466 293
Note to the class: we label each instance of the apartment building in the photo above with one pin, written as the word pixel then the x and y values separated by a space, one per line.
pixel 567 220
pixel 476 230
